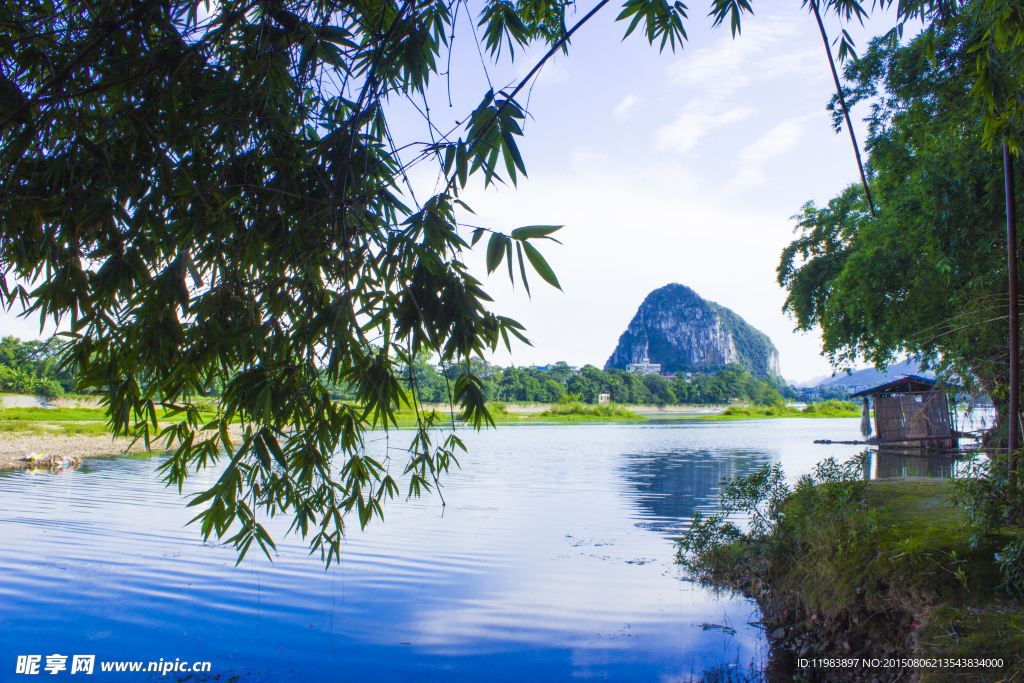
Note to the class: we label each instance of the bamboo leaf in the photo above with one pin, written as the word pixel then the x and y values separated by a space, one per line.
pixel 508 259
pixel 495 251
pixel 540 265
pixel 531 231
pixel 522 272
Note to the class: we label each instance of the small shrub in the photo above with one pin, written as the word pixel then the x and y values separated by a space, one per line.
pixel 50 388
pixel 716 552
pixel 991 501
pixel 498 409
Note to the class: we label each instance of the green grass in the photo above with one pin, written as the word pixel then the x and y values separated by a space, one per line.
pixel 23 428
pixel 89 429
pixel 60 429
pixel 407 418
pixel 974 620
pixel 52 414
pixel 32 420
pixel 77 415
pixel 576 412
pixel 908 548
pixel 558 413
pixel 830 408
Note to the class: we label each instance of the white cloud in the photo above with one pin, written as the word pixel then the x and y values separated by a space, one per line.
pixel 762 53
pixel 553 73
pixel 720 82
pixel 780 140
pixel 585 158
pixel 696 120
pixel 625 107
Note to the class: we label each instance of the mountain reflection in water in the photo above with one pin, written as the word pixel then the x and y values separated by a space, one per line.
pixel 671 486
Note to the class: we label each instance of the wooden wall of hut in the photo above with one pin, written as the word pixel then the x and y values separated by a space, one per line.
pixel 916 417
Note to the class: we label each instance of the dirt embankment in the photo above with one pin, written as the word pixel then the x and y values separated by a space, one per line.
pixel 15 447
pixel 58 448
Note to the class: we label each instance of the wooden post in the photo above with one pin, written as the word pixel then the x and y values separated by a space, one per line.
pixel 1011 268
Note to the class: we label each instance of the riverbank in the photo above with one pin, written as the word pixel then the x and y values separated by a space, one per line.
pixel 830 408
pixel 54 449
pixel 78 427
pixel 880 570
pixel 60 435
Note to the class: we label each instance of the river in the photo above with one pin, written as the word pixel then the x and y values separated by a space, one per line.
pixel 552 560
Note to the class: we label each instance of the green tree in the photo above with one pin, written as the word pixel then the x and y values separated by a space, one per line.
pixel 519 385
pixel 551 391
pixel 660 389
pixel 560 372
pixel 685 391
pixel 926 277
pixel 32 367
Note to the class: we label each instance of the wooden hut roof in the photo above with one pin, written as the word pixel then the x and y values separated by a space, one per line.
pixel 908 384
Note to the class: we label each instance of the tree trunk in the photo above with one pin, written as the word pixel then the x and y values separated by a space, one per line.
pixel 1011 268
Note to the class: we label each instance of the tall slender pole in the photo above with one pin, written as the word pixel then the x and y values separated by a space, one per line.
pixel 846 110
pixel 1011 268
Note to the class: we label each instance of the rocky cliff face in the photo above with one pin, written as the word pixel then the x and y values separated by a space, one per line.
pixel 677 328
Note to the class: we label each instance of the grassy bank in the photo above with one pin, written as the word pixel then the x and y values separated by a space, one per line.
pixel 830 408
pixel 43 429
pixel 43 420
pixel 846 568
pixel 582 412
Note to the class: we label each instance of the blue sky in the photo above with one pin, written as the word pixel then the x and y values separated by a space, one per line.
pixel 683 167
pixel 664 167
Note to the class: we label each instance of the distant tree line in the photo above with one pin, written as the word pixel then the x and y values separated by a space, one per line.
pixel 560 382
pixel 31 367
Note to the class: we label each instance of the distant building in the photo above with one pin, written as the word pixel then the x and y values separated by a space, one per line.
pixel 604 398
pixel 575 368
pixel 644 367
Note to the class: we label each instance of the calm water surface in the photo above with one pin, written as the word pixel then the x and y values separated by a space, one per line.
pixel 551 561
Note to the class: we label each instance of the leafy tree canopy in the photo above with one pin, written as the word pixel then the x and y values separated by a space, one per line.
pixel 212 195
pixel 927 277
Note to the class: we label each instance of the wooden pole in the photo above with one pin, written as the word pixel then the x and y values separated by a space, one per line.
pixel 846 110
pixel 1011 268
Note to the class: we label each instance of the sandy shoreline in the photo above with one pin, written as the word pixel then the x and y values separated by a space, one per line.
pixel 15 446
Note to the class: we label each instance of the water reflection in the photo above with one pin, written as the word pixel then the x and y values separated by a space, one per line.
pixel 909 462
pixel 552 560
pixel 670 487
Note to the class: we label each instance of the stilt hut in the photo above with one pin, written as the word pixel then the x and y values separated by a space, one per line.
pixel 911 412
